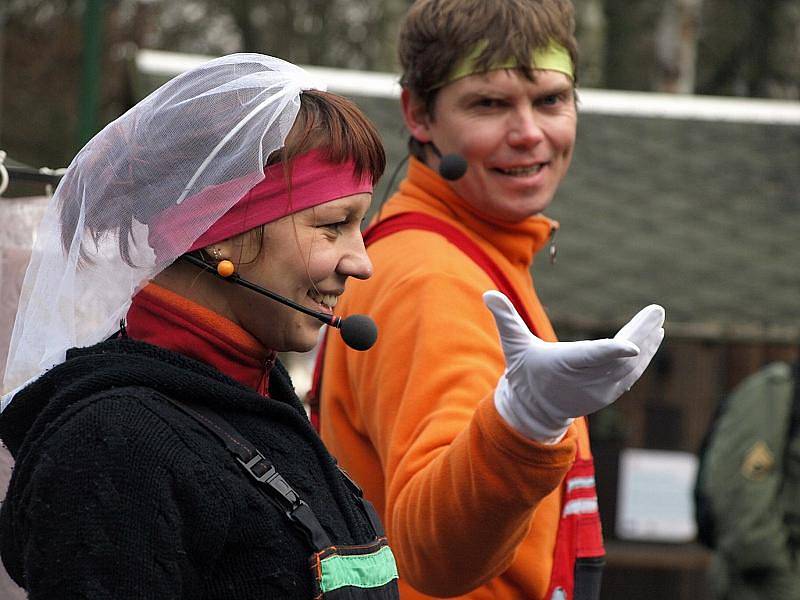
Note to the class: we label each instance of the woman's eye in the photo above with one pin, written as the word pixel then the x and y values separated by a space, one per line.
pixel 334 227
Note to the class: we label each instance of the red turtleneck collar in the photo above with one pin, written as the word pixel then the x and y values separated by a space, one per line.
pixel 163 318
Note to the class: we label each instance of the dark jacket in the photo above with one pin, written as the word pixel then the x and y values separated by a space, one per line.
pixel 118 494
pixel 750 474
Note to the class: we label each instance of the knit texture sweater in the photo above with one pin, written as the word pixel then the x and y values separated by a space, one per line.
pixel 470 506
pixel 118 494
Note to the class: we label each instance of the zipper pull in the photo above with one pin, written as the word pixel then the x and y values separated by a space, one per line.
pixel 263 384
pixel 553 250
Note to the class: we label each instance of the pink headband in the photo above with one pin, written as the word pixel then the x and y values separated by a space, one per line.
pixel 314 181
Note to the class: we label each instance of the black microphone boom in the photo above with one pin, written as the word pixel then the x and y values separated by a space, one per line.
pixel 358 331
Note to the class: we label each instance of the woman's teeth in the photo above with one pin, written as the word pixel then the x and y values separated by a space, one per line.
pixel 328 300
pixel 522 171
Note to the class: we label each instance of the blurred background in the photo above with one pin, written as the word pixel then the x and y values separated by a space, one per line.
pixel 684 190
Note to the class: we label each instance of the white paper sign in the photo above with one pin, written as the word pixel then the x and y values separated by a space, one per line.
pixel 654 500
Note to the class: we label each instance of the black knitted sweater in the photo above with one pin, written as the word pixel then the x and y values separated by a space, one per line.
pixel 118 494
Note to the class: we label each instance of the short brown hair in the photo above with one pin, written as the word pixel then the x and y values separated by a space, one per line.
pixel 338 127
pixel 437 34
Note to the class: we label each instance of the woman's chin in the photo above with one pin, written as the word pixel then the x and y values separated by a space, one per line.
pixel 304 347
pixel 305 341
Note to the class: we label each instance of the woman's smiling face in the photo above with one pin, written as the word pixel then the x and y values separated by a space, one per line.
pixel 306 257
pixel 516 135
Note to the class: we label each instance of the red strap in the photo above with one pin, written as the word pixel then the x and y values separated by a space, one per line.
pixel 414 220
pixel 578 535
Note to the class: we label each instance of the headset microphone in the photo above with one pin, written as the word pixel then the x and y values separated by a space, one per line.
pixel 359 332
pixel 452 167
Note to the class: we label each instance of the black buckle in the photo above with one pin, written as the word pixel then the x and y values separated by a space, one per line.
pixel 295 509
pixel 258 475
pixel 263 472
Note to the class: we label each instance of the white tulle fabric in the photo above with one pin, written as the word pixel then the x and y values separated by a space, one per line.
pixel 216 124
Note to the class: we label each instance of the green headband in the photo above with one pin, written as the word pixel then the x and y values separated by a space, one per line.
pixel 554 57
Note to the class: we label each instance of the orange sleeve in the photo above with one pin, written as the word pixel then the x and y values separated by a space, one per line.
pixel 460 485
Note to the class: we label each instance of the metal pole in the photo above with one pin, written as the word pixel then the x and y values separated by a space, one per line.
pixel 90 79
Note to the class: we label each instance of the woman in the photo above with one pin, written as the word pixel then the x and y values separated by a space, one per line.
pixel 173 459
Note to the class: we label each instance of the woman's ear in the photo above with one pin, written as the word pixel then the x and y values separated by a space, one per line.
pixel 214 252
pixel 217 251
pixel 223 250
pixel 415 116
pixel 241 248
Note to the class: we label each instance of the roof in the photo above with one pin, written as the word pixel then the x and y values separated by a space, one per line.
pixel 701 217
pixel 690 202
pixel 150 68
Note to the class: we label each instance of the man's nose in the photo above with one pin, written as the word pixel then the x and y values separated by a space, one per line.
pixel 525 129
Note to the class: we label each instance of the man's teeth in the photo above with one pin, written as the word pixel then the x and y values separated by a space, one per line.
pixel 328 300
pixel 522 170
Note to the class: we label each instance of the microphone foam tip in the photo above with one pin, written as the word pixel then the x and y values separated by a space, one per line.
pixel 359 332
pixel 452 167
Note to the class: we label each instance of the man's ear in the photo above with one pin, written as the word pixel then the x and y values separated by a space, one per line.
pixel 415 116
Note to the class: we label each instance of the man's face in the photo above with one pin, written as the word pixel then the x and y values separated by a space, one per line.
pixel 516 135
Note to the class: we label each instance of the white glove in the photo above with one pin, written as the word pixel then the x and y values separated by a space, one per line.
pixel 547 384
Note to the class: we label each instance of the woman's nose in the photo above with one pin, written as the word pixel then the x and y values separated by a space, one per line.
pixel 356 262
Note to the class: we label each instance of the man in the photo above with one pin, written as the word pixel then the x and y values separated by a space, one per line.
pixel 467 470
pixel 748 488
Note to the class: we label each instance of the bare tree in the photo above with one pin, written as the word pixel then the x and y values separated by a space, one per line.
pixel 676 46
pixel 591 34
pixel 342 33
pixel 750 48
pixel 630 46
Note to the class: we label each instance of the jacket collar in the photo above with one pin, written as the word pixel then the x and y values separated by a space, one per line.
pixel 165 319
pixel 424 190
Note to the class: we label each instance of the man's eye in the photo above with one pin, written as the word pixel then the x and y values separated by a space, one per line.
pixel 551 100
pixel 488 102
pixel 335 227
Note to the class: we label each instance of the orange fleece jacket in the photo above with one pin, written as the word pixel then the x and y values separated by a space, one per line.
pixel 470 506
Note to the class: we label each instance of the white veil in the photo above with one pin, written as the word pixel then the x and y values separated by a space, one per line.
pixel 185 154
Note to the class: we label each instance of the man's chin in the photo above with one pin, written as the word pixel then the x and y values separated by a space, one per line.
pixel 535 206
pixel 523 211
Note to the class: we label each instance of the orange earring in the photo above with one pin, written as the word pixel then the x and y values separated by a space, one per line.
pixel 225 268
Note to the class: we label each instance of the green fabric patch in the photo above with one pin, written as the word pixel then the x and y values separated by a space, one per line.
pixel 364 570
